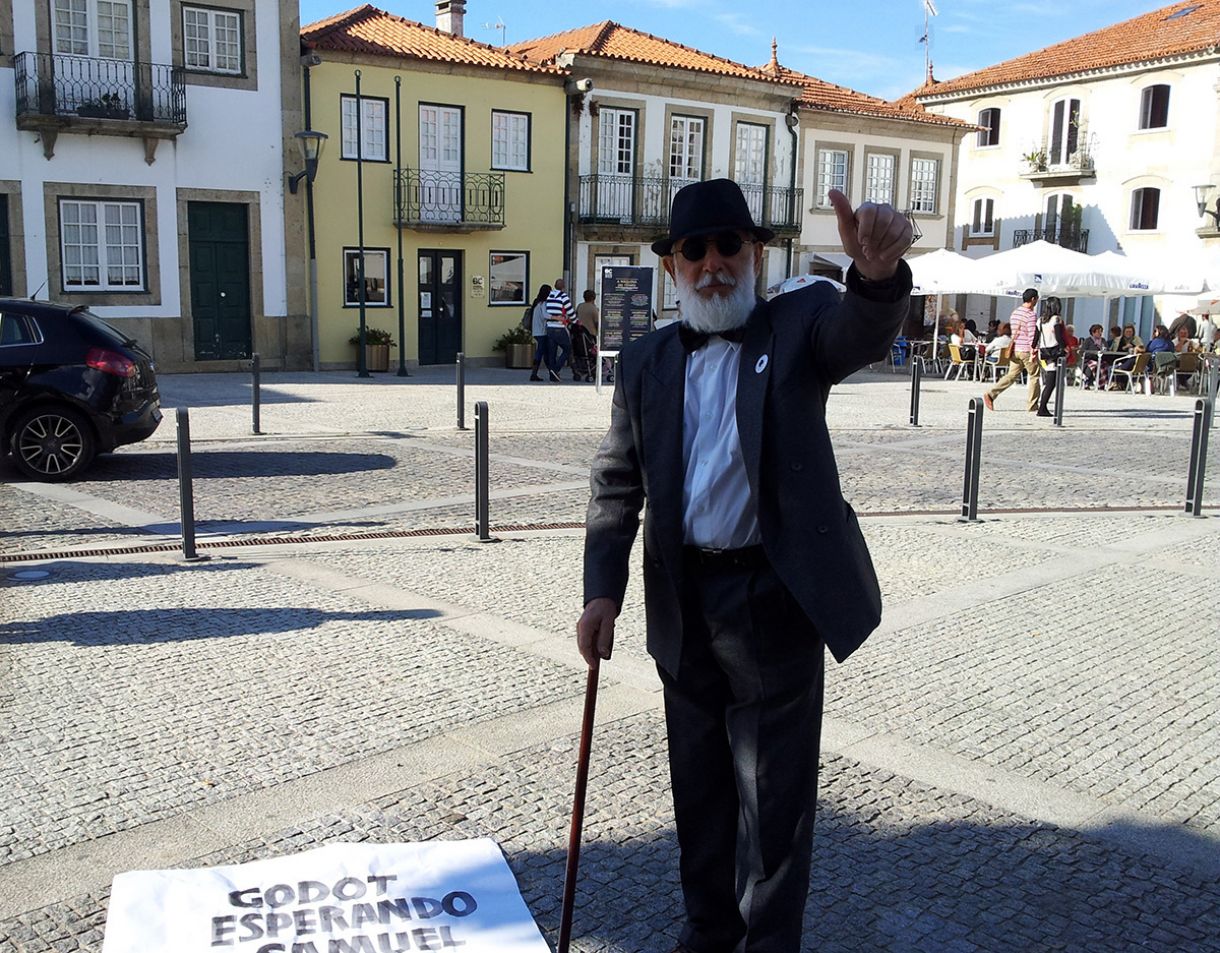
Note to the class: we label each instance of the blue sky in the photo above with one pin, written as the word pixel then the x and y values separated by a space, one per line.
pixel 870 45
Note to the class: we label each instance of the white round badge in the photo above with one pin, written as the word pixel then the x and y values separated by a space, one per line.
pixel 761 365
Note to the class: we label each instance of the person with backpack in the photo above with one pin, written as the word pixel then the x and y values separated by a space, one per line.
pixel 535 315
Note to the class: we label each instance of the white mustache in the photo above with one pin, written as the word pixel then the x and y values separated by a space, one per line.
pixel 716 277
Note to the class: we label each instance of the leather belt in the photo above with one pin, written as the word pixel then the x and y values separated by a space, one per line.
pixel 713 560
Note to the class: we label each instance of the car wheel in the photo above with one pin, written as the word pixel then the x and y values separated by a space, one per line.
pixel 52 443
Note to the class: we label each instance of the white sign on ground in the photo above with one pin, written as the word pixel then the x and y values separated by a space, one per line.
pixel 343 898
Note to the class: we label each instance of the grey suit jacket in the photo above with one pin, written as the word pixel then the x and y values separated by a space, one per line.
pixel 795 348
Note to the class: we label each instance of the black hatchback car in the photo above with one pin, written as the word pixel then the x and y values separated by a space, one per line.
pixel 71 386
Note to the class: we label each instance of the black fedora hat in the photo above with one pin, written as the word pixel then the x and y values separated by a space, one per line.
pixel 703 208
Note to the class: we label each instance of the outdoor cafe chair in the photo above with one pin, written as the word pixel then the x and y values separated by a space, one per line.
pixel 999 364
pixel 957 364
pixel 1137 370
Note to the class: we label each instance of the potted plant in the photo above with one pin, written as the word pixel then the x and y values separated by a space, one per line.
pixel 518 346
pixel 1036 159
pixel 106 106
pixel 377 344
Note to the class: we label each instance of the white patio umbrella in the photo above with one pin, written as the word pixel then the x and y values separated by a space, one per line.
pixel 1049 269
pixel 943 272
pixel 1157 274
pixel 802 281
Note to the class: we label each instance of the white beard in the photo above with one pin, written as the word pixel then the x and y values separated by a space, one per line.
pixel 719 312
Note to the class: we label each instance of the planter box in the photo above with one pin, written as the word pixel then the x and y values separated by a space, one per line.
pixel 519 355
pixel 377 357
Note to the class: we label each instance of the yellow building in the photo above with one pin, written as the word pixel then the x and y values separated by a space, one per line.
pixel 471 179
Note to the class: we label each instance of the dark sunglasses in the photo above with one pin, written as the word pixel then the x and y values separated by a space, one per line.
pixel 727 244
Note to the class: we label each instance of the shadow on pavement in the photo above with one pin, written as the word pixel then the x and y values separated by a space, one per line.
pixel 229 464
pixel 173 396
pixel 156 626
pixel 935 888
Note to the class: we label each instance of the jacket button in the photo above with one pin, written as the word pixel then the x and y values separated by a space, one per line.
pixel 797 466
pixel 823 529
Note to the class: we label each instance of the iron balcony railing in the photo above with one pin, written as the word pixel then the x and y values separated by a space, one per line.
pixel 645 201
pixel 1075 239
pixel 53 84
pixel 469 199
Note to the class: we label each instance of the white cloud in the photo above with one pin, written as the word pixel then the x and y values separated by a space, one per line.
pixel 737 24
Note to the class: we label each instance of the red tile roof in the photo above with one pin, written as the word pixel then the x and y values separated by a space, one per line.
pixel 615 41
pixel 819 94
pixel 1175 30
pixel 374 32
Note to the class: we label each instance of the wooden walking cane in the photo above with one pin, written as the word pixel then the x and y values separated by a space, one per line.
pixel 578 811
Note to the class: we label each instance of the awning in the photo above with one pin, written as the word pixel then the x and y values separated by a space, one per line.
pixel 830 259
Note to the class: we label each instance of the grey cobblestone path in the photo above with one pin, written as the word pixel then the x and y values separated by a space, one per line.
pixel 1021 759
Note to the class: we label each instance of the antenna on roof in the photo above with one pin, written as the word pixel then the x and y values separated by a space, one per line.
pixel 929 10
pixel 502 27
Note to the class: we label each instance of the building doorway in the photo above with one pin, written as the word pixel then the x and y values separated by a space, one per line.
pixel 440 306
pixel 219 248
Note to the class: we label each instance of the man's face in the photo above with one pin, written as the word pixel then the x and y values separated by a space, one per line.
pixel 706 277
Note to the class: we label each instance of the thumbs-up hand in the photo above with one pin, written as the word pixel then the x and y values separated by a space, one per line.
pixel 875 236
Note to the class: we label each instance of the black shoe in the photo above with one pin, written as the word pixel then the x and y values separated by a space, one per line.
pixel 535 377
pixel 588 378
pixel 1044 413
pixel 555 379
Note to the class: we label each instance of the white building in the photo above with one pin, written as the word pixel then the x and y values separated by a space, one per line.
pixel 660 115
pixel 872 151
pixel 142 170
pixel 1096 144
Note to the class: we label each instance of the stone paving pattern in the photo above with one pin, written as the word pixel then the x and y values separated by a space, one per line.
pixel 1073 651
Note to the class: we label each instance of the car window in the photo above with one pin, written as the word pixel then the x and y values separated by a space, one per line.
pixel 16 330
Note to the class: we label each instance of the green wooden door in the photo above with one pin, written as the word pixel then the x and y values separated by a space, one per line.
pixel 220 279
pixel 440 306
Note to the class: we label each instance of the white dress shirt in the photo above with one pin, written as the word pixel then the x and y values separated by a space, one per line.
pixel 718 510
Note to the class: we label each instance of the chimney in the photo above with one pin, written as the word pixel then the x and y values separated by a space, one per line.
pixel 449 16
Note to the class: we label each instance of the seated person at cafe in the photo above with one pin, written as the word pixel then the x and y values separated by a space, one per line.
pixel 1160 342
pixel 1072 343
pixel 1115 339
pixel 1090 360
pixel 1131 344
pixel 961 335
pixel 1182 342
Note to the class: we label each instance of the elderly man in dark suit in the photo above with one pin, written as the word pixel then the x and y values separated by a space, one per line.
pixel 752 559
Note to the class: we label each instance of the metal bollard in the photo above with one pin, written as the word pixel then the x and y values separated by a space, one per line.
pixel 1198 458
pixel 186 493
pixel 256 397
pixel 482 481
pixel 1060 389
pixel 916 383
pixel 974 448
pixel 461 391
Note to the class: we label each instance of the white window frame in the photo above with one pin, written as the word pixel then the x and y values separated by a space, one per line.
pixel 829 176
pixel 616 131
pixel 1136 204
pixel 374 127
pixel 101 256
pixel 989 134
pixel 89 15
pixel 371 255
pixel 880 184
pixel 1069 133
pixel 510 140
pixel 1147 95
pixel 982 223
pixel 925 188
pixel 686 142
pixel 230 64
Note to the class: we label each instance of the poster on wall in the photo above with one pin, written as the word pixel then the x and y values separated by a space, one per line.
pixel 354 898
pixel 626 296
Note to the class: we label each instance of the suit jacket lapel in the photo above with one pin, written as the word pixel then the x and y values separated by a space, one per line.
pixel 663 401
pixel 753 375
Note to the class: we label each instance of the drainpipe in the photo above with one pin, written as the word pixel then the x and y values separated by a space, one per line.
pixel 792 121
pixel 313 248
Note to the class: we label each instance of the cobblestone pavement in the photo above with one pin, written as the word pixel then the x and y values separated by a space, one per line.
pixel 1021 758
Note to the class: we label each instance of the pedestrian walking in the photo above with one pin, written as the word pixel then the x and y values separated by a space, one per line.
pixel 1024 321
pixel 538 330
pixel 1050 342
pixel 752 558
pixel 559 315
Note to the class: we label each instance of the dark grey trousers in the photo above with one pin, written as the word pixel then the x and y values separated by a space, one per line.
pixel 744 718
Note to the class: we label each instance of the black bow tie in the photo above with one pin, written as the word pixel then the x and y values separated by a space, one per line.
pixel 692 340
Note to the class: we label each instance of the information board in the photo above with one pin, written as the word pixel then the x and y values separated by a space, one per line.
pixel 626 298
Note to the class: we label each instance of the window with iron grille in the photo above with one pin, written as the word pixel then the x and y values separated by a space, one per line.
pixel 211 40
pixel 102 245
